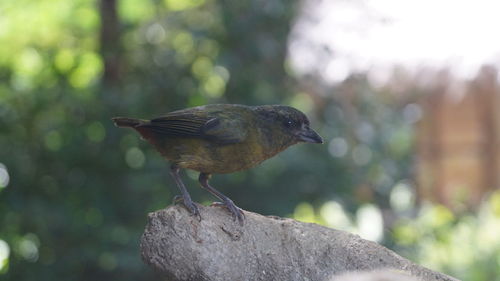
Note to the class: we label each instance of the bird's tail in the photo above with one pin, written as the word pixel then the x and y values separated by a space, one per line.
pixel 127 122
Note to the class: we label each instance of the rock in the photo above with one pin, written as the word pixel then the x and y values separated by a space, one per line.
pixel 180 247
pixel 376 275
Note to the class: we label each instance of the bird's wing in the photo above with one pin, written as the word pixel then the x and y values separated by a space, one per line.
pixel 225 130
pixel 222 129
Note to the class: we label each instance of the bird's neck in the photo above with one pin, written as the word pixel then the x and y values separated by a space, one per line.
pixel 273 142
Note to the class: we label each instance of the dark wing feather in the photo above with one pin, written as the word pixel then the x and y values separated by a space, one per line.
pixel 221 129
pixel 185 125
pixel 225 130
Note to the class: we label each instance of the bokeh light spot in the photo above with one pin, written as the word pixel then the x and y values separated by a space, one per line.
pixel 28 247
pixel 406 234
pixel 96 132
pixel 53 140
pixel 304 212
pixel 4 255
pixel 412 113
pixel 365 132
pixel 64 60
pixel 370 222
pixel 222 72
pixel 335 216
pixel 88 70
pixel 155 34
pixel 402 197
pixel 202 67
pixel 439 216
pixel 134 10
pixel 183 42
pixel 29 62
pixel 178 5
pixel 214 86
pixel 338 147
pixel 135 158
pixel 4 176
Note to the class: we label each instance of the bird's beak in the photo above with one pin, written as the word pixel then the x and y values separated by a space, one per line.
pixel 309 135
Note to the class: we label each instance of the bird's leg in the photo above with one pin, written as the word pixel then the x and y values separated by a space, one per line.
pixel 186 198
pixel 235 211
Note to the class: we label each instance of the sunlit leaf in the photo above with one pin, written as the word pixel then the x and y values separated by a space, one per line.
pixel 178 5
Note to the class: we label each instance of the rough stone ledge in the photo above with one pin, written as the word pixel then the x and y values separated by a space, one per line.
pixel 179 247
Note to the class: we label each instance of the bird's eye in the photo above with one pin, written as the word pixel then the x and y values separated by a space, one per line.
pixel 289 123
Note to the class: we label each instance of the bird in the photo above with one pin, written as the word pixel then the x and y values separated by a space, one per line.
pixel 221 139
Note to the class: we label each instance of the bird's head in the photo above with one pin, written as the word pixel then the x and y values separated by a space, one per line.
pixel 291 122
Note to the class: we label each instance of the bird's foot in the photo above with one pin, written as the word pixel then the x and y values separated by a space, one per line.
pixel 189 204
pixel 177 199
pixel 235 211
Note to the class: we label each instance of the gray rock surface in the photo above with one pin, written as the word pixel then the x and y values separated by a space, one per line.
pixel 179 247
pixel 376 275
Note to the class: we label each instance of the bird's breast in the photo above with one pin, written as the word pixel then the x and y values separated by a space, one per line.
pixel 207 157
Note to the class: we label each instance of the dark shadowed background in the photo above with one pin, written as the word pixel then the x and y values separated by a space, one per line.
pixel 410 158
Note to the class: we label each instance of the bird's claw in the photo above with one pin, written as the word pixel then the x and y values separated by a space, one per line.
pixel 189 204
pixel 177 199
pixel 236 212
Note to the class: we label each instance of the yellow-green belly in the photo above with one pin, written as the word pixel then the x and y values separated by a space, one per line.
pixel 207 157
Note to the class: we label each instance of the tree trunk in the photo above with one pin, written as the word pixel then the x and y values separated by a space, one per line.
pixel 110 36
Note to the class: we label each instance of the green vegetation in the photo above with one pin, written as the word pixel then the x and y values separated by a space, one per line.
pixel 465 246
pixel 75 190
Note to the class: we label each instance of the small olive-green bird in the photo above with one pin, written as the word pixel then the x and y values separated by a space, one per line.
pixel 222 138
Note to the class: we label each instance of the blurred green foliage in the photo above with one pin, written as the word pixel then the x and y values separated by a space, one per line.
pixel 75 190
pixel 466 246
